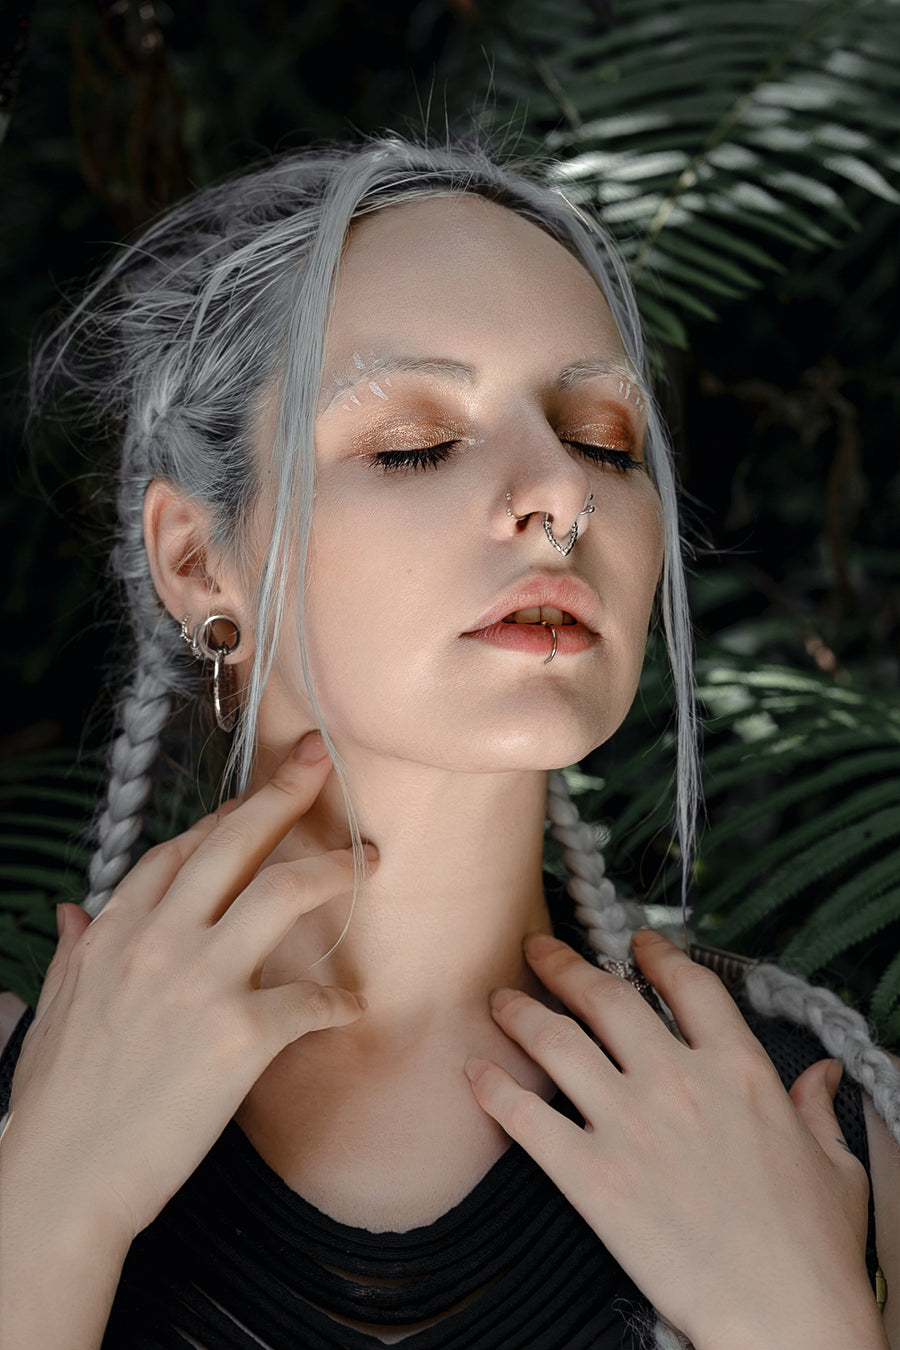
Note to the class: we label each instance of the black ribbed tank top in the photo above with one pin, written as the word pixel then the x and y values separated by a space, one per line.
pixel 239 1261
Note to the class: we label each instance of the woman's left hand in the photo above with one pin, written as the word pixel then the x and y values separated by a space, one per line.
pixel 735 1206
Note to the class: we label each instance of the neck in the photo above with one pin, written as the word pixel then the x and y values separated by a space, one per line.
pixel 458 884
pixel 376 1123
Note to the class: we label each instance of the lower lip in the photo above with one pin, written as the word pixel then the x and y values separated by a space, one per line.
pixel 536 639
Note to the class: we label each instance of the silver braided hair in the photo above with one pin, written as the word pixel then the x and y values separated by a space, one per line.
pixel 224 303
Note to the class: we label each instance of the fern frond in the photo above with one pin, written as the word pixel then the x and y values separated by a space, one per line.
pixel 737 126
pixel 887 991
pixel 843 834
pixel 877 882
pixel 861 923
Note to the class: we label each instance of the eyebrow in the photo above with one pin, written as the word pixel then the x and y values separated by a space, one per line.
pixel 583 371
pixel 353 376
pixel 569 378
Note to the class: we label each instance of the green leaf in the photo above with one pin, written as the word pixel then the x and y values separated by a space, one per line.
pixel 857 925
pixel 839 838
pixel 887 990
pixel 864 175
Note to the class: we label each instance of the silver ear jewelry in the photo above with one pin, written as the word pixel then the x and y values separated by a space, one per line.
pixel 553 648
pixel 205 646
pixel 572 538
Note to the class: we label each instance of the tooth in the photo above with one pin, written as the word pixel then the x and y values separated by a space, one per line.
pixel 525 616
pixel 550 614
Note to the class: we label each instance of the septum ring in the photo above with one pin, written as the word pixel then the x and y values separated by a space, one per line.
pixel 565 547
pixel 572 538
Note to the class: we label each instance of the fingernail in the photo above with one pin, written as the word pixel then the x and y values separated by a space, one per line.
pixel 474 1068
pixel 500 997
pixel 541 944
pixel 311 749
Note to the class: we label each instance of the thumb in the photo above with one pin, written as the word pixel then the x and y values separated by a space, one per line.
pixel 71 920
pixel 813 1095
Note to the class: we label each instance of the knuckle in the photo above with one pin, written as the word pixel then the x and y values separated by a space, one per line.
pixel 555 1037
pixel 279 882
pixel 689 976
pixel 603 992
pixel 168 849
pixel 230 836
pixel 146 953
pixel 521 1118
pixel 316 1002
pixel 286 781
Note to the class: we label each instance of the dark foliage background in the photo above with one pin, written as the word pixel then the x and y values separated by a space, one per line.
pixel 746 157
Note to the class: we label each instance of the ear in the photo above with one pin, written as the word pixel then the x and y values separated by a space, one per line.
pixel 191 576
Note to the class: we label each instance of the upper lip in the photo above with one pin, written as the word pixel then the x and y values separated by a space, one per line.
pixel 568 593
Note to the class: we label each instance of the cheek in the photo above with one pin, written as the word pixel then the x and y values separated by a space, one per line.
pixel 640 546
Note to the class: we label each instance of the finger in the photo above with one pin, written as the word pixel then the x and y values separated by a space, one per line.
pixel 71 921
pixel 558 1044
pixel 228 857
pixel 269 907
pixel 556 1144
pixel 144 886
pixel 613 1009
pixel 813 1096
pixel 704 1010
pixel 289 1011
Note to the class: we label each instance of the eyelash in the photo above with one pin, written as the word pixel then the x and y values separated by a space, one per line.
pixel 425 457
pixel 430 456
pixel 620 460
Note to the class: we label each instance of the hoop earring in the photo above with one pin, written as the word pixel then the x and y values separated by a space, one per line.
pixel 205 646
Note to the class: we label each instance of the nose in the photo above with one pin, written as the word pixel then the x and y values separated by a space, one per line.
pixel 549 492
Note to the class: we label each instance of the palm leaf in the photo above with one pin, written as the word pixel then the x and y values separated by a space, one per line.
pixel 701 133
pixel 801 855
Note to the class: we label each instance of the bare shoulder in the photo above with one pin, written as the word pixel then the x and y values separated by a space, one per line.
pixel 884 1164
pixel 11 1009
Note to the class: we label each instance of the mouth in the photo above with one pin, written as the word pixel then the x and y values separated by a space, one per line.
pixel 521 621
pixel 563 601
pixel 548 615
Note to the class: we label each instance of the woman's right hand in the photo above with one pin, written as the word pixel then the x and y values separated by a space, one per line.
pixel 152 1026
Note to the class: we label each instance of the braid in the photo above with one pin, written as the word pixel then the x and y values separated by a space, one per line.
pixel 842 1031
pixel 143 714
pixel 607 921
pixel 609 924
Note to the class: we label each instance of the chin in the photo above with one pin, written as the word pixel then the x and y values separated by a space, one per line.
pixel 548 747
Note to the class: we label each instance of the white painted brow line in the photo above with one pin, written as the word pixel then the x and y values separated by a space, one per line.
pixel 392 365
pixel 569 378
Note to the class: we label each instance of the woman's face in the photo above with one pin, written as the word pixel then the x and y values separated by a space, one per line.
pixel 473 368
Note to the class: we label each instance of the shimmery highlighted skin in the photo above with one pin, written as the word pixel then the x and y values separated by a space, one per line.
pixel 356 384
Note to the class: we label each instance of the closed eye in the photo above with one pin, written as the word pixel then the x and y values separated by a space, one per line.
pixel 421 457
pixel 620 460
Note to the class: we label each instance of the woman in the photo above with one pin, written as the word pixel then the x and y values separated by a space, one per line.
pixel 390 470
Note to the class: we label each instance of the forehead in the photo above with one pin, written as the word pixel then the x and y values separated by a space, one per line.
pixel 460 274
